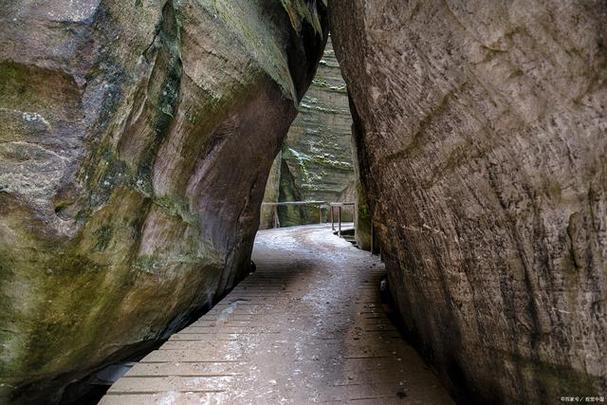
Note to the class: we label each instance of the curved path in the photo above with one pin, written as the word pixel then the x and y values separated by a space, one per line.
pixel 307 327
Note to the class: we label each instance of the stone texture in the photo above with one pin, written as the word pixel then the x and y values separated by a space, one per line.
pixel 316 159
pixel 135 142
pixel 271 193
pixel 481 133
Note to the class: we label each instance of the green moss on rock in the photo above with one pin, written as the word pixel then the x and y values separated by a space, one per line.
pixel 119 210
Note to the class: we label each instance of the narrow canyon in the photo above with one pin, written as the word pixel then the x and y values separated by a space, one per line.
pixel 143 144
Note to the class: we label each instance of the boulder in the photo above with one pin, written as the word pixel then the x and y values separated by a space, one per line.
pixel 135 143
pixel 481 135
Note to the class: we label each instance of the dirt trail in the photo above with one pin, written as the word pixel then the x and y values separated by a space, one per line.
pixel 307 327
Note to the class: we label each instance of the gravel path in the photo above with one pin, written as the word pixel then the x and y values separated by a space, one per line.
pixel 307 327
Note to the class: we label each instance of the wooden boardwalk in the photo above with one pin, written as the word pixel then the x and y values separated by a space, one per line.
pixel 307 327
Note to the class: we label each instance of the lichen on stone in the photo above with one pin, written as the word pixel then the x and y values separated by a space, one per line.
pixel 121 131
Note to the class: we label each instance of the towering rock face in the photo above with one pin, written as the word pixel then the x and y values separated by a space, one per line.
pixel 316 159
pixel 318 150
pixel 481 132
pixel 135 142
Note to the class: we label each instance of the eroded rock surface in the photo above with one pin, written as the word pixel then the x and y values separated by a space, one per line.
pixel 135 142
pixel 481 129
pixel 315 163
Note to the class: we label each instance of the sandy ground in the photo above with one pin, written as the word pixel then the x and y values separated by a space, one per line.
pixel 307 327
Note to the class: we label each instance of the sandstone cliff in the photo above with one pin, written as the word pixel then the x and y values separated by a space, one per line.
pixel 316 159
pixel 135 142
pixel 481 133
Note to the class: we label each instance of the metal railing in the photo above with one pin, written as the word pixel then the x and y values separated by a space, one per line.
pixel 275 218
pixel 335 206
pixel 340 206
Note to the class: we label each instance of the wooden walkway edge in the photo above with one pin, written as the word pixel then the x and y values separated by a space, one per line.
pixel 307 327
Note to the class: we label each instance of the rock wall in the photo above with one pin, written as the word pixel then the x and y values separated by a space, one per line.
pixel 481 133
pixel 272 192
pixel 135 143
pixel 316 159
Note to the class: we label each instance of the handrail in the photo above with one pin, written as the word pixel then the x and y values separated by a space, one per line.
pixel 342 204
pixel 321 204
pixel 295 203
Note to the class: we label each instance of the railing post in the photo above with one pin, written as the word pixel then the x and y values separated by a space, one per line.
pixel 276 222
pixel 273 217
pixel 332 218
pixel 339 220
pixel 319 213
pixel 354 218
